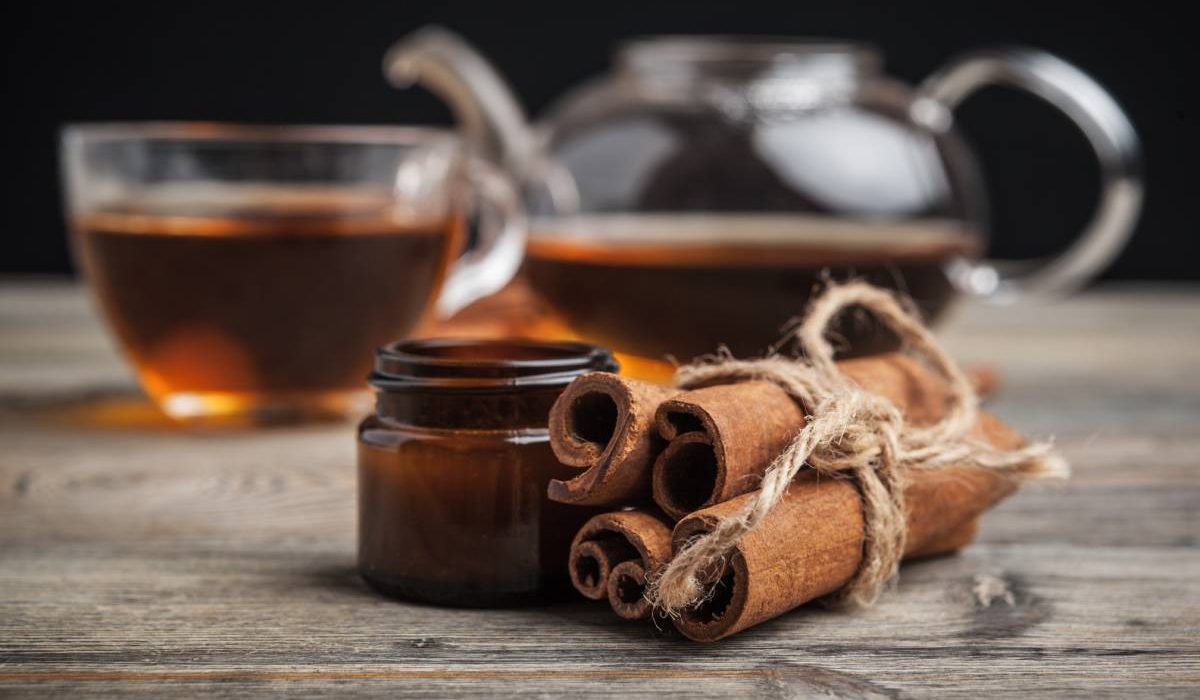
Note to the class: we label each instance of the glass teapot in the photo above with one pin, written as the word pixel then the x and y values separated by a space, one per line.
pixel 697 194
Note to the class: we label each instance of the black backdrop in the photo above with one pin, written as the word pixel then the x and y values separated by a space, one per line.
pixel 319 62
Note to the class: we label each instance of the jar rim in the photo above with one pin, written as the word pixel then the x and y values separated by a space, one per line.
pixel 480 364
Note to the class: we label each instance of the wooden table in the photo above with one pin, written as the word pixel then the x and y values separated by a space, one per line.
pixel 140 560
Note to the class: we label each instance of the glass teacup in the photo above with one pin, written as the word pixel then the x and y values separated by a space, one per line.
pixel 249 273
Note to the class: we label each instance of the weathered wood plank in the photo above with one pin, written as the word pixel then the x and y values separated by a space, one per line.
pixel 141 610
pixel 137 560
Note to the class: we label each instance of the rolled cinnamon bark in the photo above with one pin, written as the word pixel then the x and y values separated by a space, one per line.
pixel 627 589
pixel 612 555
pixel 811 543
pixel 604 424
pixel 722 438
pixel 592 562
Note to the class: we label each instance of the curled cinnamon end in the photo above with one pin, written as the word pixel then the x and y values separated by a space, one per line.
pixel 722 438
pixel 593 561
pixel 687 476
pixel 723 612
pixel 627 591
pixel 603 423
pixel 614 552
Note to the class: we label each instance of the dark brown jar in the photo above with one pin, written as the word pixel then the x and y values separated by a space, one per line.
pixel 453 468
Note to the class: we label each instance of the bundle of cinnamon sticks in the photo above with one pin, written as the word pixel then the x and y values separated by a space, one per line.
pixel 671 463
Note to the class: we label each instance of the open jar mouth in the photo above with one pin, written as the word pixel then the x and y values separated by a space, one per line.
pixel 481 365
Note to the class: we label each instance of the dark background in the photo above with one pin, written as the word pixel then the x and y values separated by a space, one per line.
pixel 319 62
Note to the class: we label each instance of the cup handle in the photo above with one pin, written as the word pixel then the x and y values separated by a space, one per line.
pixel 1106 127
pixel 500 247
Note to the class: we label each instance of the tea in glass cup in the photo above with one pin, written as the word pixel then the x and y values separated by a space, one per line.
pixel 250 272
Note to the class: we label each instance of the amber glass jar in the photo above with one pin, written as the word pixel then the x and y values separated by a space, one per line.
pixel 453 468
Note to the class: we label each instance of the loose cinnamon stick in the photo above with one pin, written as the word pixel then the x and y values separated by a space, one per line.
pixel 811 543
pixel 722 438
pixel 612 555
pixel 604 423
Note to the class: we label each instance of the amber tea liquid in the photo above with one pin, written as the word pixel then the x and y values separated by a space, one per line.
pixel 681 285
pixel 269 303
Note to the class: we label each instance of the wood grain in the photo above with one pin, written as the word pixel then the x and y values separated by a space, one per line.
pixel 139 560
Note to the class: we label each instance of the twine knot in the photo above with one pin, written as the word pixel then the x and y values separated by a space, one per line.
pixel 849 432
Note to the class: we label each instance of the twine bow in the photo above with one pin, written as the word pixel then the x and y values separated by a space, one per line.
pixel 849 432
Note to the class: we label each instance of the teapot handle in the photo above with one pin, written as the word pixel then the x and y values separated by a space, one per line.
pixel 1106 127
pixel 493 122
pixel 493 261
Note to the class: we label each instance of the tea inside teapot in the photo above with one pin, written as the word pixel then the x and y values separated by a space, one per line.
pixel 685 284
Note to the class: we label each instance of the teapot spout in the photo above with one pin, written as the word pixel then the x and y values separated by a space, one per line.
pixel 482 101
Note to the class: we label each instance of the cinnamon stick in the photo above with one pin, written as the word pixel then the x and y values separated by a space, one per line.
pixel 612 555
pixel 722 438
pixel 811 543
pixel 604 424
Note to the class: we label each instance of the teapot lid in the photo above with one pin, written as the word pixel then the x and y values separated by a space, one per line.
pixel 749 58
